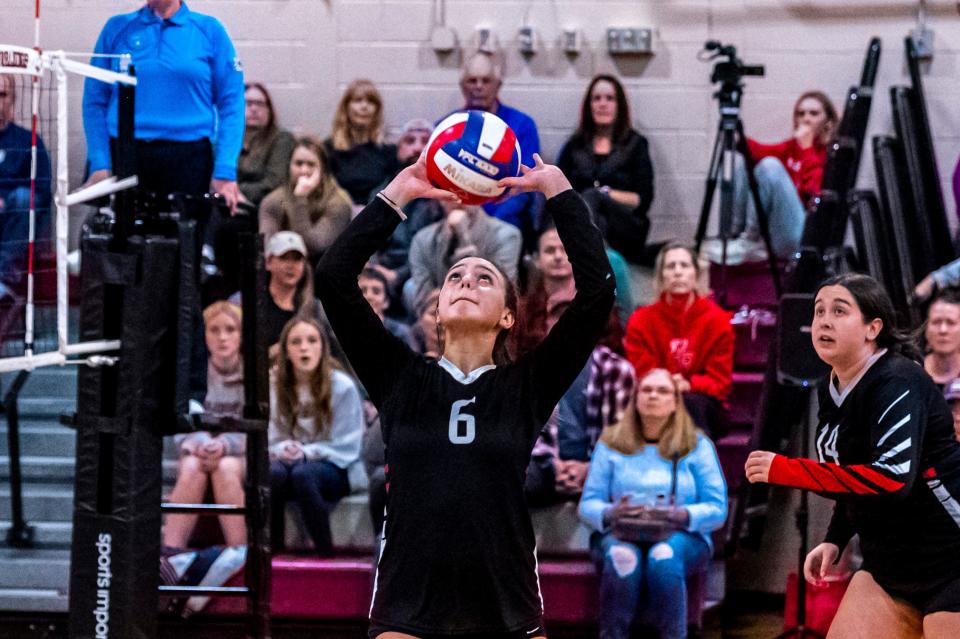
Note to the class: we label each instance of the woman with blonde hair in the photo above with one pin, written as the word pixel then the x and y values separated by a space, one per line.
pixel 688 334
pixel 208 461
pixel 311 203
pixel 315 432
pixel 654 493
pixel 358 157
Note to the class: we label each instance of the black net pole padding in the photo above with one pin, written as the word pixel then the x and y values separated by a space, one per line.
pixel 871 63
pixel 116 543
pixel 125 163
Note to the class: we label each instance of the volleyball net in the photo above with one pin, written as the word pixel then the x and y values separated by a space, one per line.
pixel 39 215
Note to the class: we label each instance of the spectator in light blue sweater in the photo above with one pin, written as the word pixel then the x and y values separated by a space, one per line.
pixel 315 432
pixel 656 467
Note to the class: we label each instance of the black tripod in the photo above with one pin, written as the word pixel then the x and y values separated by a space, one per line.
pixel 729 141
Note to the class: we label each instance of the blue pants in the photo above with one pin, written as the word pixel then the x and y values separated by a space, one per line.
pixel 14 231
pixel 663 568
pixel 316 486
pixel 778 195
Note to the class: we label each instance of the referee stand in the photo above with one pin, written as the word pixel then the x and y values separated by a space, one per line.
pixel 141 286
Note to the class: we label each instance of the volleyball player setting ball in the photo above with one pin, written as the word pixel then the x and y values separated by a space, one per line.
pixel 887 455
pixel 458 555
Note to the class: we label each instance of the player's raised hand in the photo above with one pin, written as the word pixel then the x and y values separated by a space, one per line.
pixel 412 183
pixel 545 178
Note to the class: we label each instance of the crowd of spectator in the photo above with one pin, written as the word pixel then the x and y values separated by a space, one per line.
pixel 633 430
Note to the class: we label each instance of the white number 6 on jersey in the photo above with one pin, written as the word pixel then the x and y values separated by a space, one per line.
pixel 469 422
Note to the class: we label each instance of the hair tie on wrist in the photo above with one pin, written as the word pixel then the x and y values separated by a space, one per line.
pixel 392 204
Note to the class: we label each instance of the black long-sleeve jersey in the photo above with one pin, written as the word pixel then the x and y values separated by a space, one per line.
pixel 458 554
pixel 888 456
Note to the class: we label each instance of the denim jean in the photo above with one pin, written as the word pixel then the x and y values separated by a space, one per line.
pixel 316 486
pixel 14 231
pixel 778 195
pixel 646 583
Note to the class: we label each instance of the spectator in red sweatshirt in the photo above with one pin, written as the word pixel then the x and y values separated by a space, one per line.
pixel 789 174
pixel 687 334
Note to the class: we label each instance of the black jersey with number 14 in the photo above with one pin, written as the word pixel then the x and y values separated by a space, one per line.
pixel 458 554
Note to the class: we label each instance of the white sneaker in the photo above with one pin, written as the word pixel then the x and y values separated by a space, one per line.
pixel 740 250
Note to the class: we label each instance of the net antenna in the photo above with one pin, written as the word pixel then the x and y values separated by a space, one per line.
pixel 54 67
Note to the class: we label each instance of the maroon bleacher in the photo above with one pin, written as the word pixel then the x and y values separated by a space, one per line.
pixel 340 588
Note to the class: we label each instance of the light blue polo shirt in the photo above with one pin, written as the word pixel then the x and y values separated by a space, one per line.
pixel 190 85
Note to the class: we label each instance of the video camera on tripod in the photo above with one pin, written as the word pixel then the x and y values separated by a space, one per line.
pixel 730 142
pixel 730 71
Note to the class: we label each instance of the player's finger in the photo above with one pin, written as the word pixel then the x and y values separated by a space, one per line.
pixel 537 161
pixel 810 567
pixel 512 182
pixel 441 194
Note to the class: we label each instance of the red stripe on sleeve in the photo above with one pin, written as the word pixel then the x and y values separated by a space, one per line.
pixel 811 475
pixel 887 484
pixel 849 480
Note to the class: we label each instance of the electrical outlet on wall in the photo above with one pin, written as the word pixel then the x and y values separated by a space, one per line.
pixel 629 40
pixel 486 40
pixel 571 41
pixel 527 40
pixel 923 42
pixel 443 39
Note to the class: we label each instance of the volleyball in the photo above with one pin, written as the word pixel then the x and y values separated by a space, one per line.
pixel 469 153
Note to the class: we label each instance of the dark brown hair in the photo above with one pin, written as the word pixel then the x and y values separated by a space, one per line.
pixel 874 303
pixel 621 124
pixel 303 296
pixel 261 139
pixel 502 346
pixel 373 274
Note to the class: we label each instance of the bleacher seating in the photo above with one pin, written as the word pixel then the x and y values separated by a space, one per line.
pixel 567 575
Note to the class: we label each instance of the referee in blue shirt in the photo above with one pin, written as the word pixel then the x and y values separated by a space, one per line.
pixel 189 104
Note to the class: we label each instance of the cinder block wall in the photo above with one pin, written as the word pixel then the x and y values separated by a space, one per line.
pixel 306 51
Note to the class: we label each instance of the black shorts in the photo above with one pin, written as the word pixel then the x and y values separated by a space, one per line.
pixel 942 598
pixel 534 629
